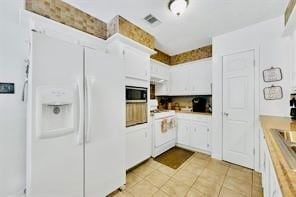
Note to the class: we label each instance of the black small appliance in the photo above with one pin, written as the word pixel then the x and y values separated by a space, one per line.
pixel 293 106
pixel 199 104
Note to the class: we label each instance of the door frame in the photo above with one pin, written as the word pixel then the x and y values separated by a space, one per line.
pixel 256 134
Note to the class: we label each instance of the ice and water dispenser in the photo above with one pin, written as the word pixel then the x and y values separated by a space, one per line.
pixel 55 111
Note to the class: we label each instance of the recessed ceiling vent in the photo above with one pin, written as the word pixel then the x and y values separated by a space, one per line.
pixel 152 20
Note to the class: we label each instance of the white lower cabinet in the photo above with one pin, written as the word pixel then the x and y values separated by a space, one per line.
pixel 194 131
pixel 199 136
pixel 184 127
pixel 270 183
pixel 138 146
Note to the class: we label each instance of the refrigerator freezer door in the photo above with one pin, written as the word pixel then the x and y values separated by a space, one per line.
pixel 54 165
pixel 105 152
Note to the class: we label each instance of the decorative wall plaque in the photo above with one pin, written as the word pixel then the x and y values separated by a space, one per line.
pixel 273 93
pixel 272 74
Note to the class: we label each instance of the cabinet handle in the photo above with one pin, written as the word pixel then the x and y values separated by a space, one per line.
pixel 226 114
pixel 211 88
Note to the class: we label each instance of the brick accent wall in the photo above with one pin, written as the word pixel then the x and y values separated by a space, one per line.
pixel 162 57
pixel 189 56
pixel 120 25
pixel 193 55
pixel 65 13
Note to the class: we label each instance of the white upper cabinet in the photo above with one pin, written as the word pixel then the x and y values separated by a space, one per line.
pixel 159 71
pixel 160 75
pixel 179 80
pixel 136 64
pixel 162 89
pixel 200 78
pixel 136 57
pixel 194 78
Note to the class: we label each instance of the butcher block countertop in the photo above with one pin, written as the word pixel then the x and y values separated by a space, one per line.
pixel 196 113
pixel 286 176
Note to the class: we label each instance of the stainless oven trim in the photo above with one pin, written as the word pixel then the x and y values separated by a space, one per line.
pixel 136 88
pixel 136 101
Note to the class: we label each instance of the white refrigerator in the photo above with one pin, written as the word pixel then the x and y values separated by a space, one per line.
pixel 76 120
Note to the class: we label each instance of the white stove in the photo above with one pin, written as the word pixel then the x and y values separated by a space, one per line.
pixel 164 131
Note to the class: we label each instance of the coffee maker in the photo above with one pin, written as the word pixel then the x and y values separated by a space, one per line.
pixel 199 104
pixel 293 106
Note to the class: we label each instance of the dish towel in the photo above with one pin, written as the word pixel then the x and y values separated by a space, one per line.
pixel 164 125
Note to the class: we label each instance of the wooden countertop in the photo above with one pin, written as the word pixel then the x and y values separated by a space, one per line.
pixel 286 176
pixel 197 113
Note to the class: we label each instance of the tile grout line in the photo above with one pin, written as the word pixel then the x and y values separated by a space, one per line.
pixel 196 180
pixel 223 181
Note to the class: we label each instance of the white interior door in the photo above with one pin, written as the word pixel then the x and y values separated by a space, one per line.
pixel 238 108
pixel 54 164
pixel 105 124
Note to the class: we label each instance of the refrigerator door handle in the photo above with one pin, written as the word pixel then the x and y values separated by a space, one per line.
pixel 81 113
pixel 89 83
pixel 24 90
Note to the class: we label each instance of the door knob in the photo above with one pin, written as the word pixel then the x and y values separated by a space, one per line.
pixel 226 114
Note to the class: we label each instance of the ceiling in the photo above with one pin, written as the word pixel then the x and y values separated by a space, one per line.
pixel 202 20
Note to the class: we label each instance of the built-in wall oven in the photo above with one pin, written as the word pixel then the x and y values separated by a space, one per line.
pixel 136 106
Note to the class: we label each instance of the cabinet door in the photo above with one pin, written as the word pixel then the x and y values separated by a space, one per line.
pixel 183 131
pixel 163 71
pixel 179 80
pixel 199 136
pixel 159 70
pixel 200 78
pixel 137 64
pixel 162 89
pixel 138 147
pixel 153 68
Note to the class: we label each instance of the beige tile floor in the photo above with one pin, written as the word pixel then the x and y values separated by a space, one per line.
pixel 200 175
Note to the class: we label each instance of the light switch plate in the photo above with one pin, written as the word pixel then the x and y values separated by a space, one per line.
pixel 6 88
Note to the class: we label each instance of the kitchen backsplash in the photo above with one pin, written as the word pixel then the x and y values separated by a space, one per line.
pixel 181 101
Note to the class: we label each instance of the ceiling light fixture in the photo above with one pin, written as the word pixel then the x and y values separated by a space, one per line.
pixel 178 7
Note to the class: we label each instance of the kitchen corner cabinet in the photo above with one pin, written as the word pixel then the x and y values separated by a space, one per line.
pixel 194 132
pixel 137 64
pixel 138 146
pixel 159 70
pixel 194 78
pixel 270 183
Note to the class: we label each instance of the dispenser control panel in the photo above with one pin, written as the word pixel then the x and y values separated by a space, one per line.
pixel 6 88
pixel 55 111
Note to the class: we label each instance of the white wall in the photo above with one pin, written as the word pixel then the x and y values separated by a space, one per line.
pixel 12 109
pixel 271 49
